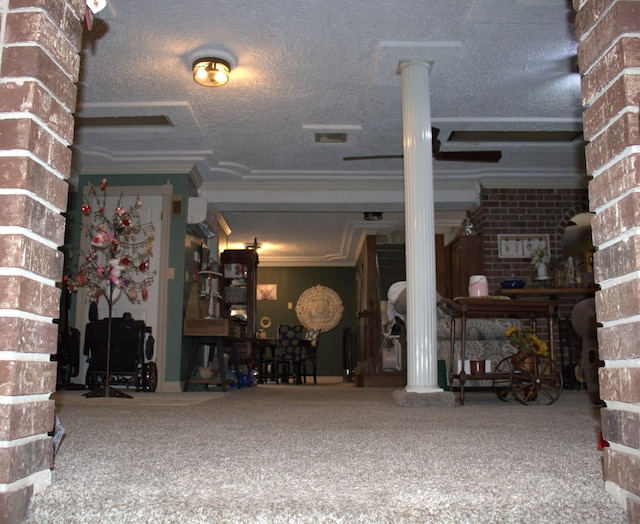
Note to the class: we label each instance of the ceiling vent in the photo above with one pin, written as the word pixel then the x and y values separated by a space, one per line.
pixel 199 222
pixel 345 136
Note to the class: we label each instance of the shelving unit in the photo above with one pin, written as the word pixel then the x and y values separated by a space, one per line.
pixel 211 294
pixel 239 268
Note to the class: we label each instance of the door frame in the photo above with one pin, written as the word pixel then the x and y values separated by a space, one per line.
pixel 159 332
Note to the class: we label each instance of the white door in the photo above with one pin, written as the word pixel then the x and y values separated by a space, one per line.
pixel 148 310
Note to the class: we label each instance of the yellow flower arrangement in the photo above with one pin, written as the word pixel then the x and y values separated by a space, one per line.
pixel 526 340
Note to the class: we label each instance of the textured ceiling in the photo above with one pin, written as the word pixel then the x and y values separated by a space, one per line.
pixel 497 65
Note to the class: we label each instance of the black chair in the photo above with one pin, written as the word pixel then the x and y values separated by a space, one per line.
pixel 288 352
pixel 127 364
pixel 309 355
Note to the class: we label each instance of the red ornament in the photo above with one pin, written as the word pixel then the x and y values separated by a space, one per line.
pixel 125 261
pixel 120 211
pixel 126 222
pixel 602 443
pixel 144 266
pixel 86 209
pixel 145 293
pixel 103 184
pixel 81 279
pixel 101 210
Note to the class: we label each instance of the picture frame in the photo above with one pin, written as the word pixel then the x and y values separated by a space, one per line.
pixel 519 246
pixel 267 292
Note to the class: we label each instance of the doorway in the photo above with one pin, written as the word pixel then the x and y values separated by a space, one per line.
pixel 156 201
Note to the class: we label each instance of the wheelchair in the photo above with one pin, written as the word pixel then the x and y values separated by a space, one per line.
pixel 130 362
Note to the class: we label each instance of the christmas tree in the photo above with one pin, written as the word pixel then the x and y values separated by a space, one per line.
pixel 117 260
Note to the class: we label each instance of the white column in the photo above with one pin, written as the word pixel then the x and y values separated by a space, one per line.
pixel 422 364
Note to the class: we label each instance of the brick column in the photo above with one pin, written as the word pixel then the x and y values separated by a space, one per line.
pixel 39 61
pixel 609 57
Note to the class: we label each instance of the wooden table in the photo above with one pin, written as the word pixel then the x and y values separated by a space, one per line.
pixel 210 331
pixel 488 307
pixel 548 291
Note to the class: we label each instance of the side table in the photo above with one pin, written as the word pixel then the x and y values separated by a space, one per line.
pixel 214 331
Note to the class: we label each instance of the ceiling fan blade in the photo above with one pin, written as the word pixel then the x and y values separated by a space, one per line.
pixel 372 157
pixel 469 156
pixel 491 157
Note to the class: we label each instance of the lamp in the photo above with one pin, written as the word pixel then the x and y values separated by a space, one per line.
pixel 211 71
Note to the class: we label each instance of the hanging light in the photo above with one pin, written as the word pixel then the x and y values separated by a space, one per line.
pixel 211 71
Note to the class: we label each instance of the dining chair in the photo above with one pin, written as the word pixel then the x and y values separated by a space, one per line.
pixel 288 352
pixel 309 355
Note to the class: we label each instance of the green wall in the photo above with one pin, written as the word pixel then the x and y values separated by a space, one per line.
pixel 292 282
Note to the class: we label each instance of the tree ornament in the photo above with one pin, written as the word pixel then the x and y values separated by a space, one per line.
pixel 114 264
pixel 81 280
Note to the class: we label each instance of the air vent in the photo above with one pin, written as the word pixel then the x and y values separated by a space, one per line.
pixel 331 138
pixel 124 121
pixel 331 135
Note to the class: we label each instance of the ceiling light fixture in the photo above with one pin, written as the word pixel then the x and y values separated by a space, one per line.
pixel 372 216
pixel 211 71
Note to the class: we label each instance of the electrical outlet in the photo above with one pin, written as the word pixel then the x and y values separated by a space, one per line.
pixel 171 273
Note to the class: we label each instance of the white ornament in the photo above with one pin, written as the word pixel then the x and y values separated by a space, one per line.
pixel 96 5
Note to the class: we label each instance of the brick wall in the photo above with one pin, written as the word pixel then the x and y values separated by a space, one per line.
pixel 608 52
pixel 39 62
pixel 529 211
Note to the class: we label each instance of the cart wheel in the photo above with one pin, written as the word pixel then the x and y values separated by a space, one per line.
pixel 149 377
pixel 502 385
pixel 535 379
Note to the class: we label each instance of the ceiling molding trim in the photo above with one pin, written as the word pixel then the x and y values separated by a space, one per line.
pixel 167 168
pixel 267 261
pixel 195 176
pixel 221 221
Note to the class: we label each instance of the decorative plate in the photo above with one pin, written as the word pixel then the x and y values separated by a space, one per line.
pixel 320 308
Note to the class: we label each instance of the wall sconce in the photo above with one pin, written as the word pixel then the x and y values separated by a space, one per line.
pixel 372 216
pixel 211 71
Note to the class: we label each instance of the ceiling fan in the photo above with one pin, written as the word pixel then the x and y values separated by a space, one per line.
pixel 454 156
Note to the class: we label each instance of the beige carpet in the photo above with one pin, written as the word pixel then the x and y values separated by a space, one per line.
pixel 326 453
